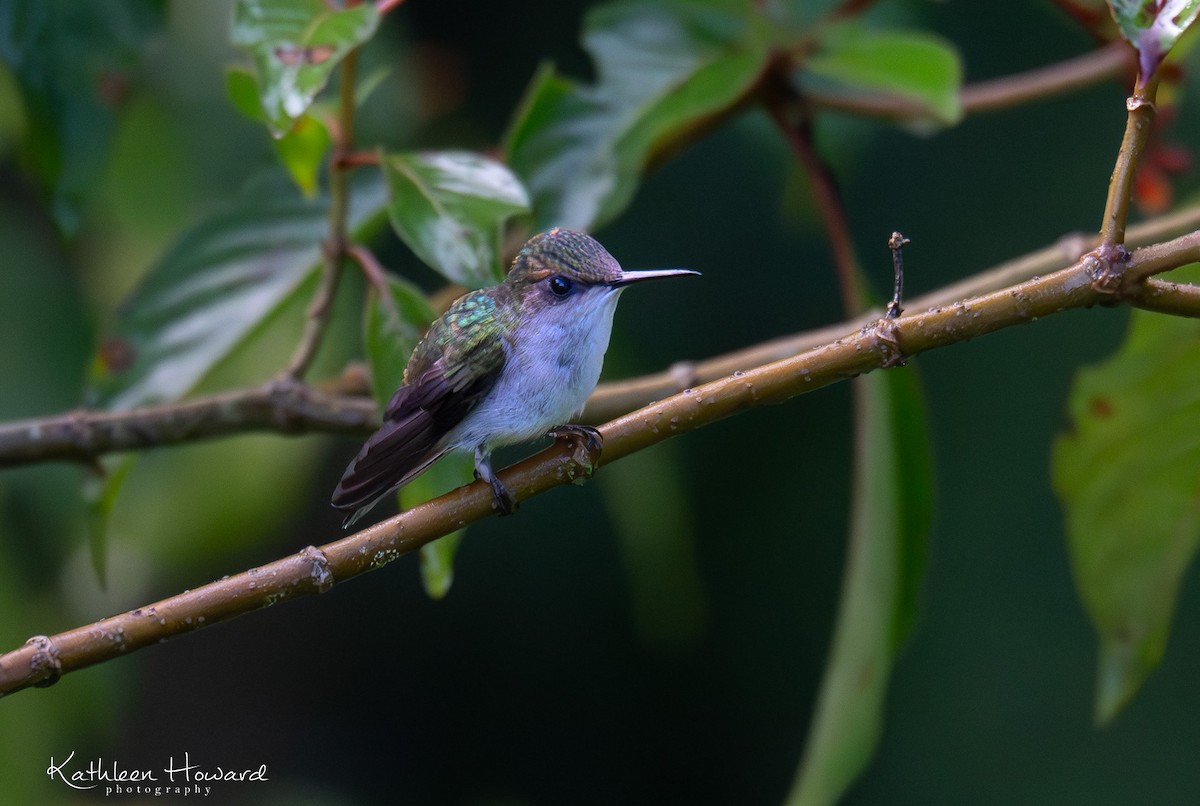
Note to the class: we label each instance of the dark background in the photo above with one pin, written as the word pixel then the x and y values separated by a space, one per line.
pixel 655 636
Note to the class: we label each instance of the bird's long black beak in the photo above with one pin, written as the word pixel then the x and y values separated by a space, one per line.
pixel 631 277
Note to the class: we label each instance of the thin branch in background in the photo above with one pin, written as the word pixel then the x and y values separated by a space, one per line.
pixel 336 238
pixel 1069 75
pixel 353 381
pixel 281 406
pixel 355 159
pixel 44 659
pixel 1093 17
pixel 847 9
pixel 374 271
pixel 796 127
pixel 993 94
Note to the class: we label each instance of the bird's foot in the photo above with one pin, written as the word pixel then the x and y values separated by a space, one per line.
pixel 587 444
pixel 502 500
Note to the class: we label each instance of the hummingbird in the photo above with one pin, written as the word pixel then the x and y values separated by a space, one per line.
pixel 502 365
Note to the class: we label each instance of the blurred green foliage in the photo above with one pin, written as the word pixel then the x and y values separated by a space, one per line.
pixel 658 636
pixel 1133 417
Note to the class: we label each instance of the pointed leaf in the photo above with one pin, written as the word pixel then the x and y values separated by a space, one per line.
pixel 1153 27
pixel 1128 475
pixel 372 81
pixel 301 149
pixel 222 279
pixel 450 208
pixel 650 508
pixel 73 62
pixel 100 494
pixel 665 71
pixel 888 536
pixel 437 558
pixel 913 66
pixel 295 45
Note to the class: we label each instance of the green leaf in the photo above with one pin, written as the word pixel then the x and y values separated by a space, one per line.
pixel 242 89
pixel 367 86
pixel 224 277
pixel 295 45
pixel 302 149
pixel 889 529
pixel 437 558
pixel 450 208
pixel 650 509
pixel 1128 475
pixel 666 71
pixel 391 334
pixel 913 66
pixel 223 280
pixel 73 63
pixel 100 492
pixel 1153 27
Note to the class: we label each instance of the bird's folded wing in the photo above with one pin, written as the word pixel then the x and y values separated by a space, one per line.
pixel 417 417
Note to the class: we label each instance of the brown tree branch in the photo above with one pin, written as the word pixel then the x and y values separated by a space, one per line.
pixel 373 271
pixel 1162 296
pixel 344 408
pixel 43 659
pixel 1161 257
pixel 614 398
pixel 83 435
pixel 1138 126
pixel 793 122
pixel 1109 263
pixel 336 239
pixel 283 407
pixel 1045 82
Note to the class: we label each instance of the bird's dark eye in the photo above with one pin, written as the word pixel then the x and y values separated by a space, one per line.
pixel 561 286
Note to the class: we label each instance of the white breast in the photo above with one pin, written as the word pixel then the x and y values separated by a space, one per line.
pixel 551 369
